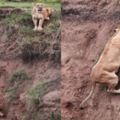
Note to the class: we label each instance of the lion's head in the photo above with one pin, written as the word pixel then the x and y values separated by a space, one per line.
pixel 38 6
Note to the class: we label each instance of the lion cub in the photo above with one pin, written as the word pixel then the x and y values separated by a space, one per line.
pixel 39 15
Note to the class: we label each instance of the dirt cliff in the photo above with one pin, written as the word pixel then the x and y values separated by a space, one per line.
pixel 29 67
pixel 86 27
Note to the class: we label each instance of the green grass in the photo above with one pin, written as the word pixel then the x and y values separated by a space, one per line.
pixel 34 99
pixel 26 25
pixel 15 83
pixel 23 24
pixel 18 77
pixel 28 5
pixel 17 19
pixel 16 5
pixel 37 91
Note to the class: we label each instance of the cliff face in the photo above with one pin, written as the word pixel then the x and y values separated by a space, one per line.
pixel 29 67
pixel 86 27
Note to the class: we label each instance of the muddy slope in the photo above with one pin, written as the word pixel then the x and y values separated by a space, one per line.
pixel 86 27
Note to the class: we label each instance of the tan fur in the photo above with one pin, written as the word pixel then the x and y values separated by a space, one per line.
pixel 106 67
pixel 88 97
pixel 39 15
pixel 2 106
pixel 47 13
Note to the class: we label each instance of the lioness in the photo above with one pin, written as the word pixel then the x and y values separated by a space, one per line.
pixel 104 71
pixel 39 15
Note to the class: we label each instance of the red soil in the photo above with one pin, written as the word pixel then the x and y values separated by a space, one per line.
pixel 86 27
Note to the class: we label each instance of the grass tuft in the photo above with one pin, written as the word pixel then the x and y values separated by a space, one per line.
pixel 37 92
pixel 16 83
pixel 18 77
pixel 55 116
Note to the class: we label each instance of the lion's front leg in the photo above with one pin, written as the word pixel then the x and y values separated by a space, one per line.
pixel 107 76
pixel 35 24
pixel 40 24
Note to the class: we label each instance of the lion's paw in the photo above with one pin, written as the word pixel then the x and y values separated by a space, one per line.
pixel 40 29
pixel 35 29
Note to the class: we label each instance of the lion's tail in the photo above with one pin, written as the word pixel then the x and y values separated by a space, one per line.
pixel 88 97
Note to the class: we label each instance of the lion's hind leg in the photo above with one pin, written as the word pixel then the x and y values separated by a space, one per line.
pixel 112 83
pixel 105 76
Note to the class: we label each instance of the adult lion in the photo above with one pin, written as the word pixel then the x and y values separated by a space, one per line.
pixel 104 72
pixel 108 64
pixel 39 15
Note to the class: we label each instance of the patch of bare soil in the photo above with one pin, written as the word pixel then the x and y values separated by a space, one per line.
pixel 86 27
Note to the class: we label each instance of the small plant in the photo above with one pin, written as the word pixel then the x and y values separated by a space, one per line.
pixel 33 100
pixel 103 88
pixel 55 117
pixel 12 93
pixel 52 116
pixel 31 50
pixel 37 91
pixel 59 117
pixel 21 18
pixel 18 76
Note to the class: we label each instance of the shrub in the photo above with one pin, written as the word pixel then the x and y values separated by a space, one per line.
pixel 16 83
pixel 37 92
pixel 34 50
pixel 54 116
pixel 18 77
